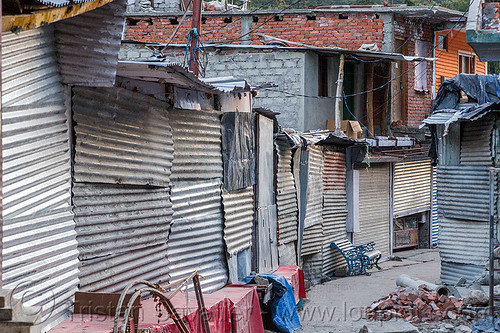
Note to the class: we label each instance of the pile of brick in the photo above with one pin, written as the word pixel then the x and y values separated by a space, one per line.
pixel 416 305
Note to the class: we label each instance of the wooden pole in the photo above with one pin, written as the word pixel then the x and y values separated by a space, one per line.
pixel 195 24
pixel 369 98
pixel 340 89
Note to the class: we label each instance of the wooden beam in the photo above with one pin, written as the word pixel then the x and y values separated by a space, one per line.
pixel 340 88
pixel 369 98
pixel 17 23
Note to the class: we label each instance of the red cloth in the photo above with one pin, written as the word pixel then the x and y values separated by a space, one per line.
pixel 247 316
pixel 295 276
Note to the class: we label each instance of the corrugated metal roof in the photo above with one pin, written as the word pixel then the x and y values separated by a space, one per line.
pixel 463 241
pixel 475 142
pixel 412 186
pixel 238 219
pixel 88 44
pixel 452 272
pixel 286 195
pixel 112 219
pixel 228 83
pixel 122 137
pixel 40 256
pixel 114 272
pixel 196 237
pixel 60 3
pixel 29 68
pixel 197 145
pixel 374 209
pixel 463 192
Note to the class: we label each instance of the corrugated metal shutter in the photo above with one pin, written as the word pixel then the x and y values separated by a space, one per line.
pixel 122 137
pixel 197 145
pixel 463 241
pixel 286 196
pixel 434 211
pixel 29 68
pixel 412 186
pixel 39 241
pixel 313 223
pixel 334 209
pixel 113 220
pixel 196 235
pixel 238 219
pixel 463 192
pixel 452 272
pixel 475 143
pixel 94 38
pixel 374 207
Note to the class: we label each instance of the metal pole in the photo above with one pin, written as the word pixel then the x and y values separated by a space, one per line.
pixel 492 242
pixel 195 24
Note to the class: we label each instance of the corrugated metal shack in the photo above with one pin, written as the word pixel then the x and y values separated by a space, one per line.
pixel 466 146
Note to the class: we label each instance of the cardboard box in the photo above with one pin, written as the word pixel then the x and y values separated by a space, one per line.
pixel 351 128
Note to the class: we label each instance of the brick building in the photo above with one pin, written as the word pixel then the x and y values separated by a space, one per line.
pixel 402 90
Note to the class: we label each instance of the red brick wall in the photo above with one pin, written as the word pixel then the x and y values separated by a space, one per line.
pixel 327 30
pixel 418 103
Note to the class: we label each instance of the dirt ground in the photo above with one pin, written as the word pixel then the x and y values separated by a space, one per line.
pixel 337 305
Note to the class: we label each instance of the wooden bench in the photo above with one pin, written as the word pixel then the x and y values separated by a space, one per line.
pixel 358 258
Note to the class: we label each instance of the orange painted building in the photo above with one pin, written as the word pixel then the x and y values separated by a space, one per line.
pixel 455 56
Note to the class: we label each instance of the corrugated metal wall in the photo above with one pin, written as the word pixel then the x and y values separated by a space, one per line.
pixel 39 241
pixel 88 45
pixel 412 186
pixel 198 149
pixel 123 156
pixel 313 223
pixel 196 237
pixel 463 192
pixel 116 220
pixel 451 272
pixel 122 137
pixel 238 219
pixel 29 68
pixel 374 206
pixel 334 209
pixel 475 142
pixel 40 256
pixel 286 196
pixel 434 211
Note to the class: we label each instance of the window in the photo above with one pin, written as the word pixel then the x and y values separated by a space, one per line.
pixel 421 67
pixel 323 76
pixel 443 42
pixel 466 62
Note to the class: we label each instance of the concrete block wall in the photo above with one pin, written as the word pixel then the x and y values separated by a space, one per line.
pixel 284 68
pixel 134 6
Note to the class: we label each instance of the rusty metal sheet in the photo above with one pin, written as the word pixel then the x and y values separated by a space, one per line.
pixel 122 137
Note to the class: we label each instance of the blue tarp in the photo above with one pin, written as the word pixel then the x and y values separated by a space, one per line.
pixel 283 307
pixel 489 324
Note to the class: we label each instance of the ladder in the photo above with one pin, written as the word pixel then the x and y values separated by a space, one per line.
pixel 494 242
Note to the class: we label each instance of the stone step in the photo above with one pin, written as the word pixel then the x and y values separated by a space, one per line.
pixel 12 310
pixel 5 297
pixel 26 321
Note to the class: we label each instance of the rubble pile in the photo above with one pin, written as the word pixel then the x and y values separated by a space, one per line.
pixel 416 305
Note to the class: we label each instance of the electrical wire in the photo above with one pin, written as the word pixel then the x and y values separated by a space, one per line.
pixel 178 26
pixel 352 114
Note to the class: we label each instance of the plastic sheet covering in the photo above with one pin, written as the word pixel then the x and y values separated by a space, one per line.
pixel 481 88
pixel 196 237
pixel 283 307
pixel 238 219
pixel 122 137
pixel 88 45
pixel 286 195
pixel 238 150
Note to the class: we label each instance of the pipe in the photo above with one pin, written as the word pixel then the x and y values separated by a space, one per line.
pixel 405 280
